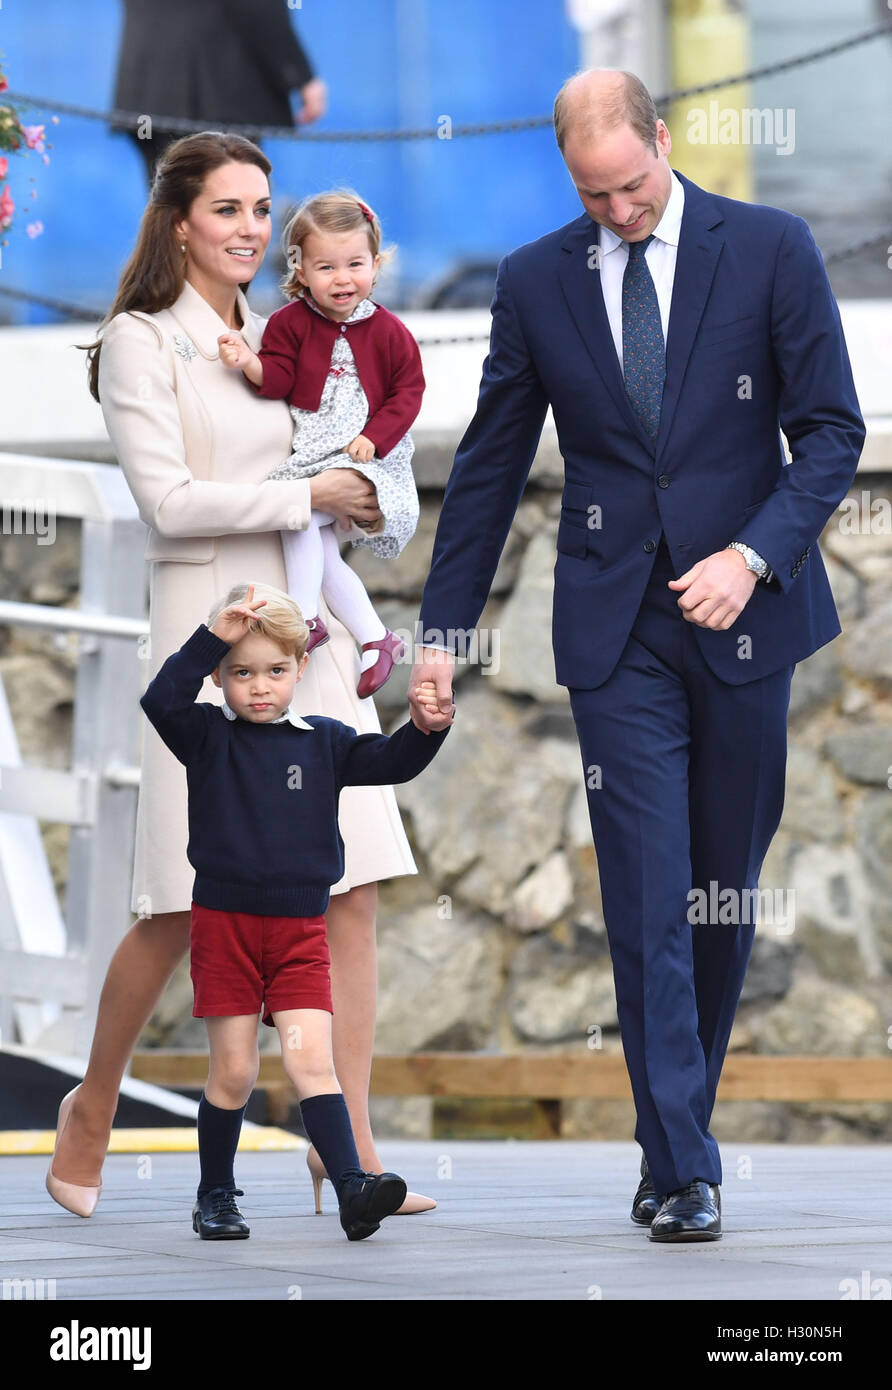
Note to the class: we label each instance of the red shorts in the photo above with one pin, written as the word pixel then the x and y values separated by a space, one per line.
pixel 242 962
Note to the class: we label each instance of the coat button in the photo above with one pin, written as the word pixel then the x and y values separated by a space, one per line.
pixel 650 547
pixel 663 480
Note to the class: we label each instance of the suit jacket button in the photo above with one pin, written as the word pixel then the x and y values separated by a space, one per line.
pixel 663 480
pixel 650 547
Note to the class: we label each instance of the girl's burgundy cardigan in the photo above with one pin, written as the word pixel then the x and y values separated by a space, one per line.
pixel 296 356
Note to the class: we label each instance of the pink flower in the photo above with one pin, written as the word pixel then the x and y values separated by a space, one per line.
pixel 34 137
pixel 34 229
pixel 4 165
pixel 7 207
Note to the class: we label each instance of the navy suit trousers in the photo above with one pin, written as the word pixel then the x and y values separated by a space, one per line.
pixel 685 776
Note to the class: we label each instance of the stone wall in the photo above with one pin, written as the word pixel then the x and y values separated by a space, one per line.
pixel 498 943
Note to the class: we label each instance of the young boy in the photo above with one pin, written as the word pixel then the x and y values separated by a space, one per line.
pixel 264 842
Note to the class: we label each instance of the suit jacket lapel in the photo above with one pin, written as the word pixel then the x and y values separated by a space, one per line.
pixel 581 285
pixel 699 247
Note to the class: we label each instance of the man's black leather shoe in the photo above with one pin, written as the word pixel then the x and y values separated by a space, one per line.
pixel 216 1216
pixel 693 1212
pixel 366 1200
pixel 646 1203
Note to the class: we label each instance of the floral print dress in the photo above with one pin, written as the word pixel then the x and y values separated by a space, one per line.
pixel 321 435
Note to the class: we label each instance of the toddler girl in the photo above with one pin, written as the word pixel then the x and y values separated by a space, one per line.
pixel 351 373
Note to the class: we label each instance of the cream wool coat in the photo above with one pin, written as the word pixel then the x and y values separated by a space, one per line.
pixel 196 444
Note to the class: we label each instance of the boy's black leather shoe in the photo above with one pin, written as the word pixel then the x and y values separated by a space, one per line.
pixel 216 1216
pixel 365 1201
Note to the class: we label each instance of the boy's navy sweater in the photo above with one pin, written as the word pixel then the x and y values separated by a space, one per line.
pixel 263 798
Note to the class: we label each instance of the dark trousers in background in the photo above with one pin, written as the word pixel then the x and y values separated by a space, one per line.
pixel 692 774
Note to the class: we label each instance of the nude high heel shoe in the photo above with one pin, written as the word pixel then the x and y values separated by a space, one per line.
pixel 413 1202
pixel 79 1200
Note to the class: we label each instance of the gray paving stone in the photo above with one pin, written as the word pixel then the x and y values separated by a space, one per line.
pixel 516 1220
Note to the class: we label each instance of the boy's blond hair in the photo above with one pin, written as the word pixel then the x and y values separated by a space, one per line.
pixel 280 619
pixel 337 211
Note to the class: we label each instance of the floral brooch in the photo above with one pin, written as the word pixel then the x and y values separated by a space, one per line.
pixel 184 346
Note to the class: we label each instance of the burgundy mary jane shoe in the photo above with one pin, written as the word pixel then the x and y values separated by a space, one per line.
pixel 391 648
pixel 319 633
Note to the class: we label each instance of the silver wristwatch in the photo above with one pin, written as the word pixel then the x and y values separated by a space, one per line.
pixel 753 559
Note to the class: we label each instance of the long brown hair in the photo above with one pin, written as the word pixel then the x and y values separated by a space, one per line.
pixel 153 277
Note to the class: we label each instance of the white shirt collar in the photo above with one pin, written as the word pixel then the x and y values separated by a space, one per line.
pixel 668 228
pixel 290 714
pixel 362 310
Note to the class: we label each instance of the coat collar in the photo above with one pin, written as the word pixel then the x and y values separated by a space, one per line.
pixel 202 325
pixel 699 246
pixel 290 714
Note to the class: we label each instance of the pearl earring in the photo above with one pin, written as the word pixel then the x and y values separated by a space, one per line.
pixel 183 247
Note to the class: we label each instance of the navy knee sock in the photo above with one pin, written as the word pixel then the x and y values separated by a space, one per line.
pixel 328 1128
pixel 218 1132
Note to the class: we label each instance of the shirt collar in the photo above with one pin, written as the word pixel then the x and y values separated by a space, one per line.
pixel 668 228
pixel 290 714
pixel 203 325
pixel 362 310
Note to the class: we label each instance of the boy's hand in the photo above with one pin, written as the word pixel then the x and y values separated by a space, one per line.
pixel 234 622
pixel 235 353
pixel 427 697
pixel 360 449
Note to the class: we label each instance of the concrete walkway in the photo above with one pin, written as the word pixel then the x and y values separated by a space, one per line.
pixel 514 1221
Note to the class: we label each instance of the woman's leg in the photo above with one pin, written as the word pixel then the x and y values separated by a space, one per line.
pixel 350 919
pixel 346 596
pixel 137 975
pixel 303 563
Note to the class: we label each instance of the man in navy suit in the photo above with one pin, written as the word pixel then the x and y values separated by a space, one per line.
pixel 674 335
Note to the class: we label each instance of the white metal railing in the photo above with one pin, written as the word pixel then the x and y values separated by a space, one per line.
pixel 52 966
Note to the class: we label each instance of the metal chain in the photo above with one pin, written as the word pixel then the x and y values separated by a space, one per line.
pixel 82 311
pixel 176 125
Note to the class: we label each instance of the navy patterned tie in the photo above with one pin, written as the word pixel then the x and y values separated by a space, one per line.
pixel 644 352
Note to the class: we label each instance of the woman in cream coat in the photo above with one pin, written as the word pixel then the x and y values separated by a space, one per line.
pixel 195 444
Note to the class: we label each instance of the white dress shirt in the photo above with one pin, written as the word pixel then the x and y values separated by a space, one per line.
pixel 660 257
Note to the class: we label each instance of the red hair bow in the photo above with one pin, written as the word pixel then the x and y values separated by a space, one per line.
pixel 366 212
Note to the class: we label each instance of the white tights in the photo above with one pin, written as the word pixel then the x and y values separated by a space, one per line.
pixel 314 564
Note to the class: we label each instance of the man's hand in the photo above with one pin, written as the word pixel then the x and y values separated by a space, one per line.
pixel 314 99
pixel 716 590
pixel 435 667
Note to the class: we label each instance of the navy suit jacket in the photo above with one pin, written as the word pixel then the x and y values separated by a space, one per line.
pixel 755 344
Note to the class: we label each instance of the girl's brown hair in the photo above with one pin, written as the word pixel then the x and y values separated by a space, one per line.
pixel 153 277
pixel 341 210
